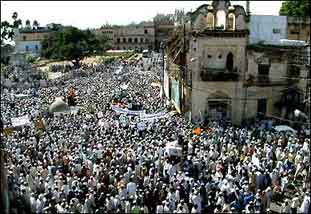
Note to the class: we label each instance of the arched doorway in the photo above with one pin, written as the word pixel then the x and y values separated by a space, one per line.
pixel 229 62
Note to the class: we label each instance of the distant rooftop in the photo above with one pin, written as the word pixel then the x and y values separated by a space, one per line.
pixel 32 30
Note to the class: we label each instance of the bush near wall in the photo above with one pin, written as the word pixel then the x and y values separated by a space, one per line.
pixel 112 57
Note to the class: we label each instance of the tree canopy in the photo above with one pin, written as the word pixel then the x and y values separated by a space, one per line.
pixel 300 8
pixel 70 43
pixel 7 29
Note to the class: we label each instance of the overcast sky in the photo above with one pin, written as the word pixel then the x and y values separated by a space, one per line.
pixel 93 14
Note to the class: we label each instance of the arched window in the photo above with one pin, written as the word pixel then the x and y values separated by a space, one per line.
pixel 130 40
pixel 124 40
pixel 135 40
pixel 231 21
pixel 210 20
pixel 229 62
pixel 141 40
pixel 220 19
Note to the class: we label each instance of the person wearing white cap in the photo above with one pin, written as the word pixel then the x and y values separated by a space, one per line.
pixel 295 203
pixel 166 208
pixel 171 200
pixel 267 198
pixel 194 209
pixel 220 199
pixel 285 208
pixel 160 208
pixel 305 205
pixel 196 200
pixel 184 207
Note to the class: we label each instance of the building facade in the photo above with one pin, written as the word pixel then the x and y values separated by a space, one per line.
pixel 165 25
pixel 267 28
pixel 236 66
pixel 219 45
pixel 163 31
pixel 29 41
pixel 277 80
pixel 107 32
pixel 132 37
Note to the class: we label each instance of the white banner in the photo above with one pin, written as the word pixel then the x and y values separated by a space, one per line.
pixel 126 111
pixel 20 121
pixel 153 116
pixel 21 96
pixel 72 110
pixel 141 114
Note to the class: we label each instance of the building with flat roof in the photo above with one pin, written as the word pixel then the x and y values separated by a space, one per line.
pixel 131 37
pixel 28 40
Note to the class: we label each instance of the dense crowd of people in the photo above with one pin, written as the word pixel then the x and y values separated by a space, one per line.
pixel 98 160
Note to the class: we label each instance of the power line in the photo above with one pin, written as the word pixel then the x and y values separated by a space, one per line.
pixel 283 119
pixel 292 78
pixel 275 77
pixel 238 98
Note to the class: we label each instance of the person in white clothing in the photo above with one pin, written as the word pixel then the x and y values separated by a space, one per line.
pixel 160 208
pixel 305 205
pixel 131 187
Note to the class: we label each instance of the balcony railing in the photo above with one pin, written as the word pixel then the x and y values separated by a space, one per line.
pixel 214 74
pixel 265 81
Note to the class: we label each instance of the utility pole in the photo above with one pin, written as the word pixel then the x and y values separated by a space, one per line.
pixel 163 68
pixel 181 83
pixel 4 204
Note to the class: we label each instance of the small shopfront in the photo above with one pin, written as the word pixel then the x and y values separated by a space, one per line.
pixel 219 106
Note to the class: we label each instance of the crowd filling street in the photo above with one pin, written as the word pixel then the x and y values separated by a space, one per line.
pixel 108 158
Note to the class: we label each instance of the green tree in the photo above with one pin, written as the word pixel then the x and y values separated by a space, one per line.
pixel 69 43
pixel 35 24
pixel 30 59
pixel 104 43
pixel 300 8
pixel 27 24
pixel 7 29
